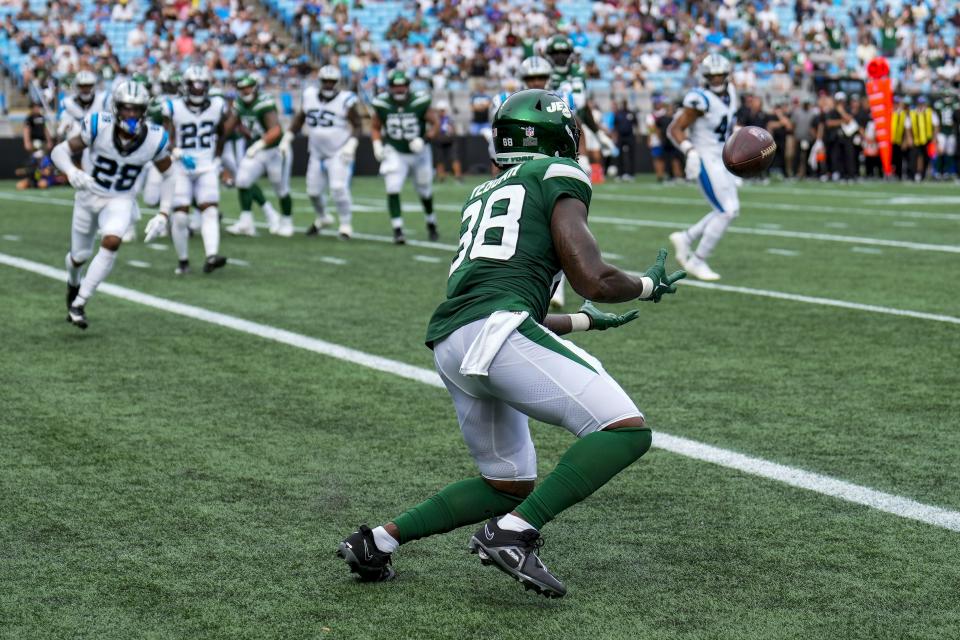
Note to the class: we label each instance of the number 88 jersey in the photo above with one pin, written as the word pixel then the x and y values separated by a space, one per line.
pixel 711 130
pixel 114 170
pixel 197 129
pixel 325 121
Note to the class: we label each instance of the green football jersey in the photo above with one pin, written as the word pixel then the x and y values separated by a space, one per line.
pixel 506 260
pixel 254 116
pixel 158 107
pixel 571 86
pixel 402 122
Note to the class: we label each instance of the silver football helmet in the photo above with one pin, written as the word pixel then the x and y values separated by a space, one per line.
pixel 85 83
pixel 196 84
pixel 329 81
pixel 715 71
pixel 535 69
pixel 130 100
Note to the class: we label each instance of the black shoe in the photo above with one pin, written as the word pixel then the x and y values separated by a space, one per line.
pixel 213 263
pixel 432 232
pixel 77 316
pixel 73 290
pixel 313 230
pixel 361 554
pixel 515 553
pixel 398 237
pixel 183 268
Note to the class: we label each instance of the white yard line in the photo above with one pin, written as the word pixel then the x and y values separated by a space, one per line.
pixel 783 252
pixel 428 259
pixel 331 260
pixel 825 485
pixel 139 264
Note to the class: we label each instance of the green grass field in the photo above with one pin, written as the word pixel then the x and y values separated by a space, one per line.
pixel 162 476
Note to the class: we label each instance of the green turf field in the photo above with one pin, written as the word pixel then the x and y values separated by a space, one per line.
pixel 163 476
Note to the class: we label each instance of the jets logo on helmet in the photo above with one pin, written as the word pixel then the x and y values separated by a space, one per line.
pixel 559 51
pixel 196 85
pixel 399 86
pixel 534 124
pixel 85 83
pixel 535 72
pixel 130 101
pixel 247 88
pixel 329 82
pixel 715 70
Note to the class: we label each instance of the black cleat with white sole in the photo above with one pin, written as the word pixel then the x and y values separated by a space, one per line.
pixel 213 263
pixel 313 230
pixel 398 237
pixel 432 233
pixel 77 316
pixel 73 290
pixel 515 553
pixel 360 552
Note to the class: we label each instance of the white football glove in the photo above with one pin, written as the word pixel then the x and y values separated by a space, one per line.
pixel 692 166
pixel 378 150
pixel 254 149
pixel 156 228
pixel 416 145
pixel 286 143
pixel 349 149
pixel 80 180
pixel 605 142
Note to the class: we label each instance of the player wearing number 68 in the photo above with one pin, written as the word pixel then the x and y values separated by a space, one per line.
pixel 700 130
pixel 121 144
pixel 502 358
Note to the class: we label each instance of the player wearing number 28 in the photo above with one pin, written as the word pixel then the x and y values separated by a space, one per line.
pixel 121 144
pixel 700 131
pixel 502 359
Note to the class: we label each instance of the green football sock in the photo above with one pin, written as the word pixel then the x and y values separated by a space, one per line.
pixel 393 205
pixel 458 504
pixel 257 194
pixel 585 467
pixel 286 205
pixel 246 199
pixel 427 205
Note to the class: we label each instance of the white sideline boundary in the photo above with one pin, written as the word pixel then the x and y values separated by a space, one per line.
pixel 817 483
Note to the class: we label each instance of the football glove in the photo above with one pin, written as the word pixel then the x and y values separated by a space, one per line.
pixel 156 228
pixel 286 143
pixel 254 149
pixel 188 162
pixel 378 150
pixel 416 145
pixel 692 166
pixel 662 283
pixel 600 321
pixel 349 149
pixel 80 180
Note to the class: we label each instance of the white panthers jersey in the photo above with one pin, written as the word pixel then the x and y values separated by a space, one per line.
pixel 327 127
pixel 197 128
pixel 711 130
pixel 72 112
pixel 114 171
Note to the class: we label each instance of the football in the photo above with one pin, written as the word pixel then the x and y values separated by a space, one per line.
pixel 749 152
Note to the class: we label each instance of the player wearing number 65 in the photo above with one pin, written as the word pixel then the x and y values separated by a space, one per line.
pixel 502 358
pixel 699 130
pixel 121 144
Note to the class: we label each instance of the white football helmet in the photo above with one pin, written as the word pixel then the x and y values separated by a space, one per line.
pixel 329 81
pixel 85 83
pixel 130 100
pixel 715 70
pixel 535 68
pixel 196 84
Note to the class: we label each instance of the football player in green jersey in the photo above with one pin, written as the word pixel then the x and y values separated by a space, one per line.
pixel 501 358
pixel 401 119
pixel 266 152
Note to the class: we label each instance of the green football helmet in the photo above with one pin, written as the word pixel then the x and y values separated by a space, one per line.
pixel 534 124
pixel 247 88
pixel 398 84
pixel 559 51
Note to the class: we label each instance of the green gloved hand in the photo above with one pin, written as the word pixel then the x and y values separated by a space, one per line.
pixel 601 321
pixel 662 283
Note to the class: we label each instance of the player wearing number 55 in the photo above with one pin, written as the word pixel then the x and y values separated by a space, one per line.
pixel 121 144
pixel 502 359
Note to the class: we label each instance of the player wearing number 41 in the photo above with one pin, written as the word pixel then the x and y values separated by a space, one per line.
pixel 121 144
pixel 501 358
pixel 197 122
pixel 699 131
pixel 401 119
pixel 332 122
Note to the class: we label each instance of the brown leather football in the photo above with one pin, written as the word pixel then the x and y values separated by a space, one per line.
pixel 749 152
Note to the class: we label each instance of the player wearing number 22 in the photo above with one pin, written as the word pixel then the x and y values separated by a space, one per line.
pixel 700 131
pixel 401 119
pixel 121 144
pixel 502 359
pixel 197 122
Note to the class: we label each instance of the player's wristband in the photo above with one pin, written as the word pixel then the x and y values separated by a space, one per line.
pixel 686 146
pixel 579 322
pixel 648 285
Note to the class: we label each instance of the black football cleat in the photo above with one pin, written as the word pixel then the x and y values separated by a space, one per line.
pixel 73 290
pixel 360 552
pixel 77 316
pixel 432 232
pixel 515 553
pixel 213 263
pixel 313 230
pixel 183 268
pixel 398 237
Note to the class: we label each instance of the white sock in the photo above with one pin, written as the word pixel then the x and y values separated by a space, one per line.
pixel 246 218
pixel 73 271
pixel 210 231
pixel 100 267
pixel 712 234
pixel 195 219
pixel 384 541
pixel 397 223
pixel 344 207
pixel 431 218
pixel 511 522
pixel 694 232
pixel 269 211
pixel 180 234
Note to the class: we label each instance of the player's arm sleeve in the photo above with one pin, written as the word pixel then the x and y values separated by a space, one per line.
pixel 89 128
pixel 564 179
pixel 696 100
